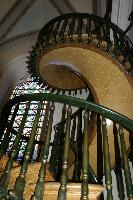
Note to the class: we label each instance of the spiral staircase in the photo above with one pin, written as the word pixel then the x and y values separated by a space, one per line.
pixel 93 137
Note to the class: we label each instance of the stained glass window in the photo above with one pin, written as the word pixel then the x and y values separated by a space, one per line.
pixel 28 87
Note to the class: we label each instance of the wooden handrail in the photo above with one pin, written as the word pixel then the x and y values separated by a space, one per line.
pixel 108 113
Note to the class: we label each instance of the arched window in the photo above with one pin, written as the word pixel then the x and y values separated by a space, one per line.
pixel 28 87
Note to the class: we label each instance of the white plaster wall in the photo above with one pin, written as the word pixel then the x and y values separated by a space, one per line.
pixel 5 5
pixel 15 71
pixel 82 6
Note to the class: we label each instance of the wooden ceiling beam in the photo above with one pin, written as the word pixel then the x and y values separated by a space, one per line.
pixel 63 6
pixel 13 16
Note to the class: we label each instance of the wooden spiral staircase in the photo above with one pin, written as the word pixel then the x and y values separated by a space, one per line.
pixel 73 52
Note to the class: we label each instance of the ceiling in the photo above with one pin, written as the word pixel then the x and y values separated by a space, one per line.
pixel 17 17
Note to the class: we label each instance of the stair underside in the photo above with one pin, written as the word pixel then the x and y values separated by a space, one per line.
pixel 107 79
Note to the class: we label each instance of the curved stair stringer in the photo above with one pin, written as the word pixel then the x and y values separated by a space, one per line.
pixel 109 82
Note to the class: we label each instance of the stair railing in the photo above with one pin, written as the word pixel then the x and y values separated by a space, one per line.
pixel 121 123
pixel 76 138
pixel 83 29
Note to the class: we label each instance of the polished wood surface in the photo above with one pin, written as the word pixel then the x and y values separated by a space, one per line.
pixel 73 191
pixel 51 187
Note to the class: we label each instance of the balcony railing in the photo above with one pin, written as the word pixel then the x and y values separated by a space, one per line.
pixel 75 135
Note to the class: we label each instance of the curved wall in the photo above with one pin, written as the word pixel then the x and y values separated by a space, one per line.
pixel 13 53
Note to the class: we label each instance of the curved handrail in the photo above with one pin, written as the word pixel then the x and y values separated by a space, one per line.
pixel 108 113
pixel 45 30
pixel 62 29
pixel 83 15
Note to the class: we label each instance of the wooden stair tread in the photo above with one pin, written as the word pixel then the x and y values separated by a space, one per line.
pixel 73 191
pixel 51 187
pixel 31 175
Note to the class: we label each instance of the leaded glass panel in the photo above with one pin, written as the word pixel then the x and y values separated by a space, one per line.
pixel 28 87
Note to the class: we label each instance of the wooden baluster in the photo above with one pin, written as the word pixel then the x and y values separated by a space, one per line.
pixel 63 112
pixel 99 154
pixel 108 38
pixel 7 136
pixel 104 32
pixel 63 189
pixel 4 180
pixel 88 25
pixel 56 154
pixel 106 157
pixel 39 189
pixel 62 30
pixel 43 132
pixel 20 182
pixel 98 31
pixel 48 36
pixel 78 156
pixel 127 173
pixel 61 137
pixel 108 18
pixel 118 170
pixel 71 29
pixel 57 148
pixel 73 130
pixel 99 151
pixel 84 187
pixel 79 29
pixel 88 30
pixel 55 31
pixel 116 43
pixel 79 144
pixel 131 146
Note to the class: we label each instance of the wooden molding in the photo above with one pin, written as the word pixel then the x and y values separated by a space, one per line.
pixel 19 39
pixel 70 6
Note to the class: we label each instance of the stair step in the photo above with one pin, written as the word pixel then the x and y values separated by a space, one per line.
pixel 73 191
pixel 31 175
pixel 51 187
